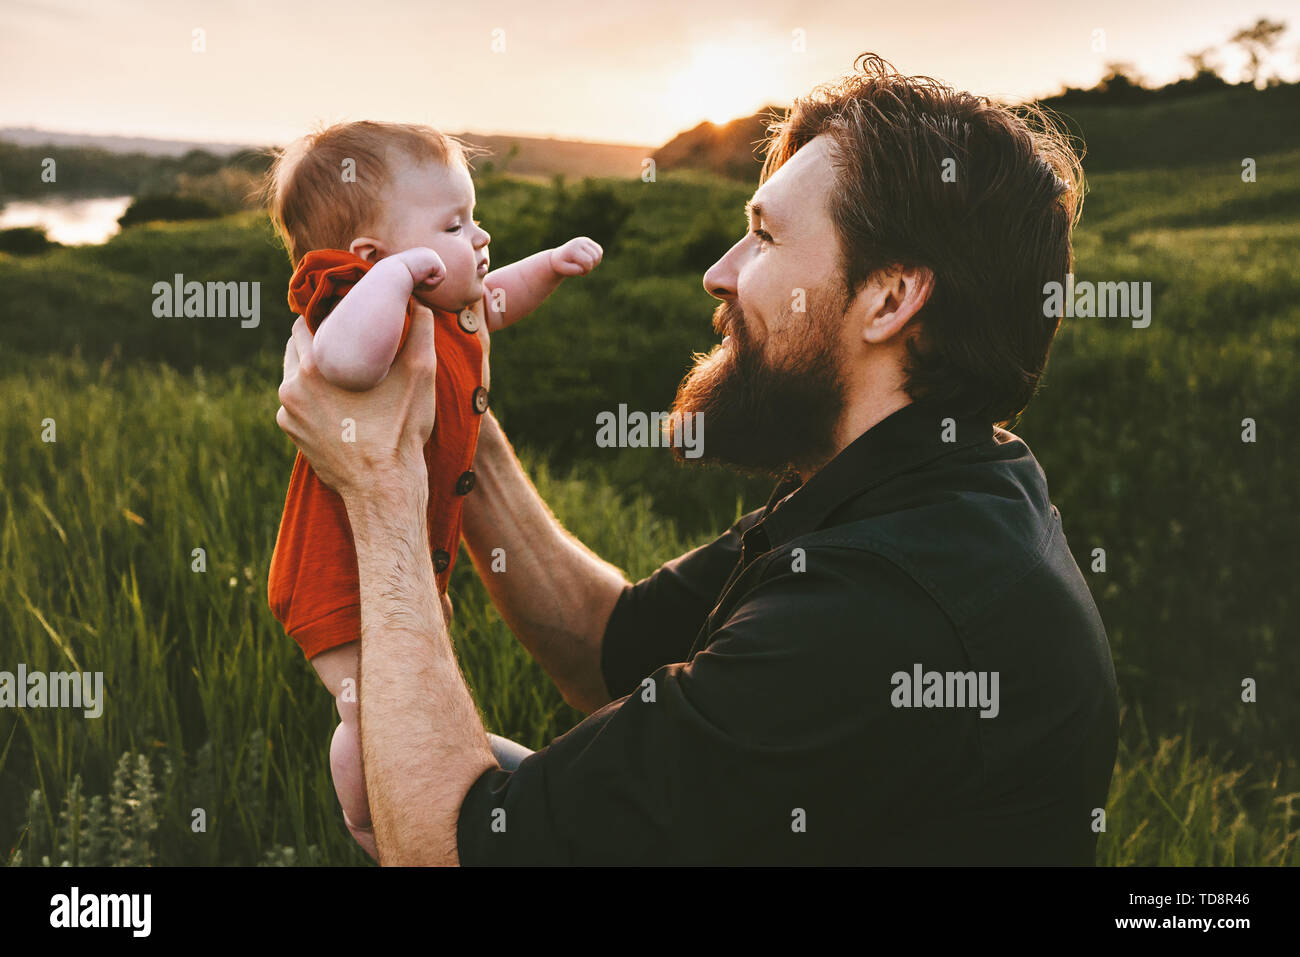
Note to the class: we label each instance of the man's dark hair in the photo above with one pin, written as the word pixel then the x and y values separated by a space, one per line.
pixel 994 230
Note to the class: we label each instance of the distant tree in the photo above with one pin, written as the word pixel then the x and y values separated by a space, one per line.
pixel 1204 79
pixel 1201 63
pixel 144 209
pixel 1257 41
pixel 1121 82
pixel 199 163
pixel 25 241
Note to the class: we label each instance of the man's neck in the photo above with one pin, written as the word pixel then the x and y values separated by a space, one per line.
pixel 857 418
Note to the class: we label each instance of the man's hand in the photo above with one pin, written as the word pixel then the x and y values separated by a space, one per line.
pixel 358 440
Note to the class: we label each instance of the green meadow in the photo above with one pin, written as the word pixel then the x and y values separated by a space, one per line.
pixel 166 442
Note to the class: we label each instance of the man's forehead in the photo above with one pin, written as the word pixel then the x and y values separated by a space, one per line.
pixel 805 176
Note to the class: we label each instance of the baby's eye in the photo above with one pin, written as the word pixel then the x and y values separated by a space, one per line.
pixel 454 229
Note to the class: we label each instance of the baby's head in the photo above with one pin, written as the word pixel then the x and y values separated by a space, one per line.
pixel 376 189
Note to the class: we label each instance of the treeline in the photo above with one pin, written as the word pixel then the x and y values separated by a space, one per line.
pixel 1122 85
pixel 26 171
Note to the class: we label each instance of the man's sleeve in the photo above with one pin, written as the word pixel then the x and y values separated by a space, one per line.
pixel 656 620
pixel 787 711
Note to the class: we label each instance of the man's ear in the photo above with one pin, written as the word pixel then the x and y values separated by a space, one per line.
pixel 893 297
pixel 368 248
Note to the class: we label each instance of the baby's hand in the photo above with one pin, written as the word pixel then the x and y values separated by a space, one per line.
pixel 577 257
pixel 424 264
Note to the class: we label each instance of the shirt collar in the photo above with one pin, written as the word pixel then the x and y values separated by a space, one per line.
pixel 898 443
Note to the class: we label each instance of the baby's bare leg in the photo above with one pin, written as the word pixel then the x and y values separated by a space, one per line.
pixel 339 669
pixel 349 780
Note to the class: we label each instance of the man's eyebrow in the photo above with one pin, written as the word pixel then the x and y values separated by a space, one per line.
pixel 758 210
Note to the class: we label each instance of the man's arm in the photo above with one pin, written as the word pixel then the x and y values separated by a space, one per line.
pixel 423 744
pixel 787 712
pixel 422 741
pixel 556 594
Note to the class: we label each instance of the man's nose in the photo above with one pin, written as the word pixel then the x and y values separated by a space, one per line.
pixel 720 279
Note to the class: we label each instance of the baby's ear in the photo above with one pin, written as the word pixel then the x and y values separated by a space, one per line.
pixel 368 248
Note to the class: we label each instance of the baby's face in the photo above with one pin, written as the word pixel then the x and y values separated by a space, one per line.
pixel 428 204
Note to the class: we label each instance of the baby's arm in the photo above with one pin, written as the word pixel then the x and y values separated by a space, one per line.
pixel 524 285
pixel 356 346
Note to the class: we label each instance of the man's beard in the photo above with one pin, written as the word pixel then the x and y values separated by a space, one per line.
pixel 765 414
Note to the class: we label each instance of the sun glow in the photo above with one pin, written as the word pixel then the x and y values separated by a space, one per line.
pixel 717 85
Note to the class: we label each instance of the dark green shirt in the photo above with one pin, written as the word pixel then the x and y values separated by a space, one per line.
pixel 896 662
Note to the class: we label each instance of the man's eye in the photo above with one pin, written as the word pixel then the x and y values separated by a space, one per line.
pixel 762 234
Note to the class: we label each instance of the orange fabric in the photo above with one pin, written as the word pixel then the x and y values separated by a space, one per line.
pixel 313 588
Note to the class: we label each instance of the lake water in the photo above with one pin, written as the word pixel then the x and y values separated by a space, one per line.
pixel 68 221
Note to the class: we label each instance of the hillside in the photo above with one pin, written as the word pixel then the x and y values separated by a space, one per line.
pixel 1225 125
pixel 732 150
pixel 574 159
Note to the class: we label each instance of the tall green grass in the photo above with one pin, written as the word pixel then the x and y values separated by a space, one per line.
pixel 207 700
pixel 211 708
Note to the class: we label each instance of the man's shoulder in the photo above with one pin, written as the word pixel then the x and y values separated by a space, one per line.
pixel 836 603
pixel 964 531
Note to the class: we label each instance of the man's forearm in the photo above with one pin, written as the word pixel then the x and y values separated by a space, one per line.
pixel 555 594
pixel 422 742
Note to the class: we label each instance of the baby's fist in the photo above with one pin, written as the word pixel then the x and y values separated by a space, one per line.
pixel 426 266
pixel 577 257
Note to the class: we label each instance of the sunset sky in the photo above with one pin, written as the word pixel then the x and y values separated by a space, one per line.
pixel 612 71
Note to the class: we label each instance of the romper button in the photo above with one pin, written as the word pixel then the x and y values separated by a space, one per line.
pixel 480 400
pixel 468 320
pixel 441 559
pixel 465 483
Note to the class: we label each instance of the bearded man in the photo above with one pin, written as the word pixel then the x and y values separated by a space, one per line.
pixel 895 661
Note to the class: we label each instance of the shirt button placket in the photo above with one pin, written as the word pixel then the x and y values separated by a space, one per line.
pixel 480 400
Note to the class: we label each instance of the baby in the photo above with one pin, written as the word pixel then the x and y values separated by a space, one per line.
pixel 378 217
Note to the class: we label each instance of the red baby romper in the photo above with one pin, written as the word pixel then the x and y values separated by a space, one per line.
pixel 313 589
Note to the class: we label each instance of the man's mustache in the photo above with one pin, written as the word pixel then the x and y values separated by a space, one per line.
pixel 729 320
